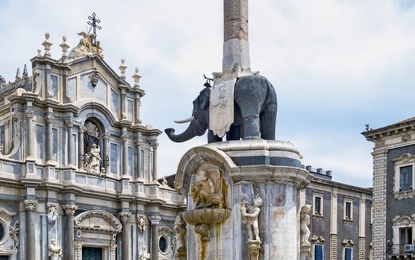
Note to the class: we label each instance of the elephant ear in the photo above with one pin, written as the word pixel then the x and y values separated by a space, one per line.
pixel 204 98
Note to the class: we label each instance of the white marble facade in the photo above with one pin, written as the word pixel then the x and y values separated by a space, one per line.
pixel 77 165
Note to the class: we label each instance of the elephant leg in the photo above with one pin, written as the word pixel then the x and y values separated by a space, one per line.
pixel 234 133
pixel 212 138
pixel 268 120
pixel 251 127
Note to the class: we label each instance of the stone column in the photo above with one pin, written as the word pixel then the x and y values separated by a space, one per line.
pixel 30 133
pixel 138 143
pixel 154 221
pixel 235 45
pixel 49 137
pixel 81 147
pixel 70 234
pixel 362 229
pixel 333 225
pixel 124 138
pixel 154 172
pixel 125 216
pixel 69 124
pixel 106 137
pixel 30 206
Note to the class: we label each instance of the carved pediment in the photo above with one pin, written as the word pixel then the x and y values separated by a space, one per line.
pixel 6 215
pixel 97 220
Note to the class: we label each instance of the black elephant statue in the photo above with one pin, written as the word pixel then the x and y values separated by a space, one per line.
pixel 255 111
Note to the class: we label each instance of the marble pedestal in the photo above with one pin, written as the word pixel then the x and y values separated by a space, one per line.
pixel 241 171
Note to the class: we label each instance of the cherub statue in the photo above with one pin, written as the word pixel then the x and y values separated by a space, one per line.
pixel 250 217
pixel 202 191
pixel 305 221
pixel 180 229
pixel 55 251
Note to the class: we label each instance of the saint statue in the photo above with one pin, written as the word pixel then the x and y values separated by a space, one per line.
pixel 55 251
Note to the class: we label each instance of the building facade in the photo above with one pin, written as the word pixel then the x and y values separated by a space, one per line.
pixel 393 193
pixel 78 167
pixel 340 218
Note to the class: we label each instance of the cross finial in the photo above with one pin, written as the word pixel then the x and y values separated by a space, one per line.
pixel 94 23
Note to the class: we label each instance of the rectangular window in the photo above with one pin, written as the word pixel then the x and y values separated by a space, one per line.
pixel 318 204
pixel 131 161
pixel 318 252
pixel 348 210
pixel 347 254
pixel 405 235
pixel 114 158
pixel 54 87
pixel 405 178
pixel 55 144
pixel 39 141
pixel 141 163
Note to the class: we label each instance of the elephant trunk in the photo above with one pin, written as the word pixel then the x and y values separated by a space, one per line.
pixel 179 138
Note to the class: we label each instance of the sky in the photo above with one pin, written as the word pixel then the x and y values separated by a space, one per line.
pixel 336 65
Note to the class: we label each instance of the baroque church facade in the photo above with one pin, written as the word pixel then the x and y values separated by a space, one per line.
pixel 79 171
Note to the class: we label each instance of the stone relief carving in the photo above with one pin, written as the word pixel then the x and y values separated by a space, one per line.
pixel 86 47
pixel 94 78
pixel 144 255
pixel 304 222
pixel 55 251
pixel 207 191
pixel 141 223
pixel 14 233
pixel 250 217
pixel 180 229
pixel 52 214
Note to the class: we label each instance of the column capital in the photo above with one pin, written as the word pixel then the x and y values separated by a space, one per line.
pixel 138 142
pixel 106 135
pixel 69 209
pixel 154 220
pixel 69 123
pixel 124 137
pixel 49 119
pixel 154 144
pixel 124 216
pixel 30 204
pixel 30 112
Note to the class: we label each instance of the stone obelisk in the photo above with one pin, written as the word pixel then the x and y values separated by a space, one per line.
pixel 235 41
pixel 243 196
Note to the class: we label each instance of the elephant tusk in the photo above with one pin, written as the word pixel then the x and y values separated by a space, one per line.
pixel 185 120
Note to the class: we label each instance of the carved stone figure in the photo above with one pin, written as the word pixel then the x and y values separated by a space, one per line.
pixel 202 191
pixel 180 229
pixel 93 160
pixel 55 251
pixel 86 47
pixel 253 117
pixel 14 233
pixel 250 217
pixel 143 255
pixel 141 223
pixel 305 221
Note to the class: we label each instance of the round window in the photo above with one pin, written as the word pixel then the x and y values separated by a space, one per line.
pixel 163 244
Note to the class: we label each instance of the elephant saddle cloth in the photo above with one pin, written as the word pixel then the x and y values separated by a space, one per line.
pixel 221 107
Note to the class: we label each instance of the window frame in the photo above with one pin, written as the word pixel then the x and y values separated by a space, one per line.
pixel 404 161
pixel 348 213
pixel 317 195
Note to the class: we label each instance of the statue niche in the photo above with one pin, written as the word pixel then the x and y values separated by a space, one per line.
pixel 208 192
pixel 92 151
